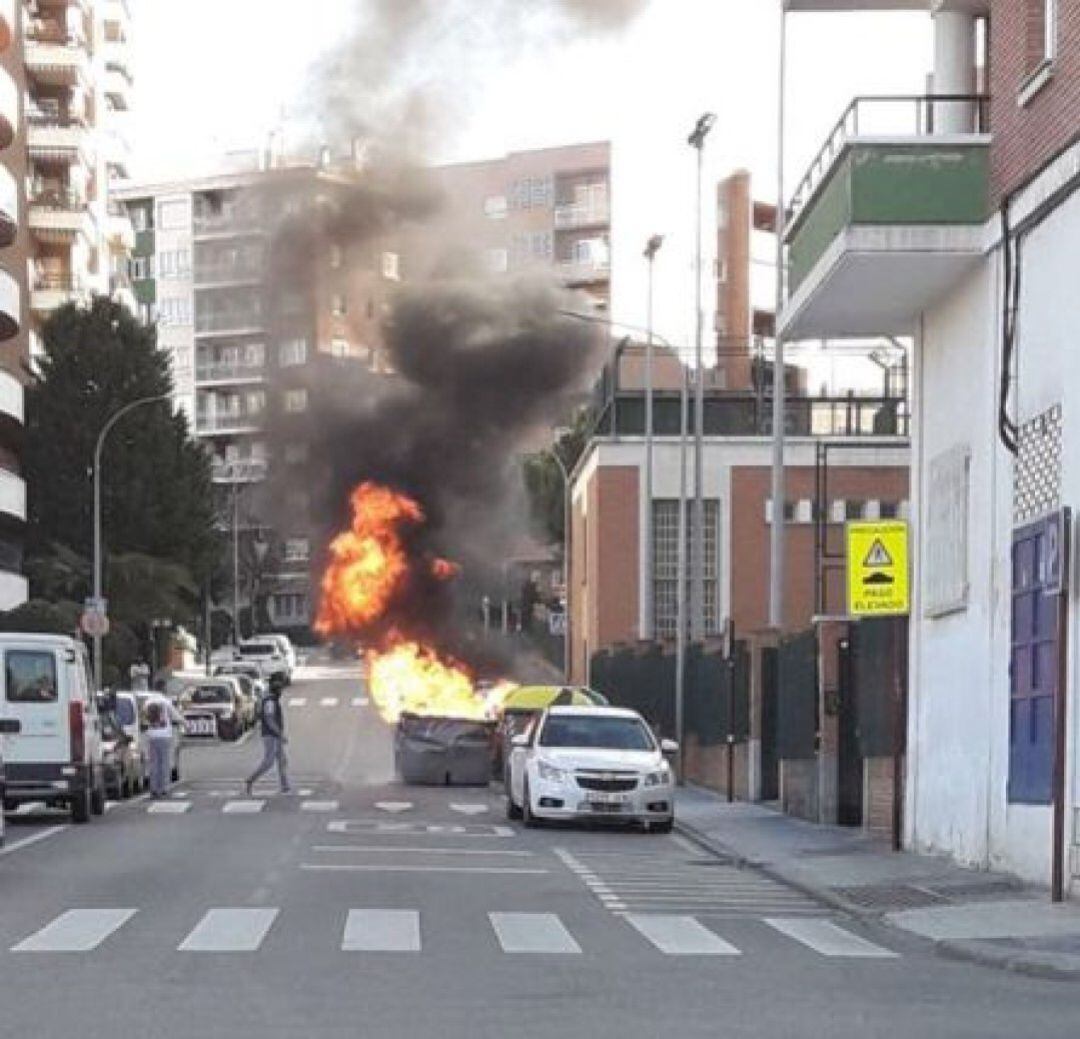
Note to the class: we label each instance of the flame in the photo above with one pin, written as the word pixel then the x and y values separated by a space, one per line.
pixel 368 563
pixel 365 582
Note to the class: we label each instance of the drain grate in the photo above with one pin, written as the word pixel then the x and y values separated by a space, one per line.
pixel 890 896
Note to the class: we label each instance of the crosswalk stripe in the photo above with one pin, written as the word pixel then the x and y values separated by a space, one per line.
pixel 680 936
pixel 318 806
pixel 230 929
pixel 381 930
pixel 825 937
pixel 298 701
pixel 77 930
pixel 532 932
pixel 243 807
pixel 359 701
pixel 168 807
pixel 328 701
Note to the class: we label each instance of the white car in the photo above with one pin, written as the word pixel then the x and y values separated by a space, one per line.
pixel 265 652
pixel 591 763
pixel 288 651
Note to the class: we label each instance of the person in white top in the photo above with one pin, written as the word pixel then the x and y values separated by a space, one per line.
pixel 160 716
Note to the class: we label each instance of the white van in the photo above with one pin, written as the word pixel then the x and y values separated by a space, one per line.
pixel 56 757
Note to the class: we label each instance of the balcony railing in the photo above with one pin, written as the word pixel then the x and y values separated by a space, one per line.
pixel 222 370
pixel 584 270
pixel 245 470
pixel 226 223
pixel 56 283
pixel 911 116
pixel 222 421
pixel 225 273
pixel 574 215
pixel 229 322
pixel 58 200
pixel 55 120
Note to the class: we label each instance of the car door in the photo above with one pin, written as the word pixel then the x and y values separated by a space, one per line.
pixel 33 696
pixel 519 757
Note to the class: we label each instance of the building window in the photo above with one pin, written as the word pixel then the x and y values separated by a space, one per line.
pixel 391 267
pixel 495 207
pixel 666 565
pixel 339 347
pixel 142 267
pixel 296 550
pixel 296 401
pixel 531 193
pixel 1040 45
pixel 292 352
pixel 337 305
pixel 141 217
pixel 175 311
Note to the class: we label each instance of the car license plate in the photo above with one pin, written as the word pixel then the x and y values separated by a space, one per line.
pixel 200 727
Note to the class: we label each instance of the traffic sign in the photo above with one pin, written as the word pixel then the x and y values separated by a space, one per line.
pixel 877 569
pixel 94 624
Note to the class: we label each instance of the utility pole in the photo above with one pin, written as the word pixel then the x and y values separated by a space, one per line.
pixel 648 596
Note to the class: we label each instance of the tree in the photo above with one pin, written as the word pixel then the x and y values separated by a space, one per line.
pixel 156 487
pixel 544 480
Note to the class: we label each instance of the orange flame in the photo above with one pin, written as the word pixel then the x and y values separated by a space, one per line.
pixel 368 564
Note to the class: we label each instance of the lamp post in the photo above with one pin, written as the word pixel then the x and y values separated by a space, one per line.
pixel 98 447
pixel 696 140
pixel 648 608
pixel 567 661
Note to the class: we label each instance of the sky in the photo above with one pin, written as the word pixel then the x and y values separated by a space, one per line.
pixel 217 75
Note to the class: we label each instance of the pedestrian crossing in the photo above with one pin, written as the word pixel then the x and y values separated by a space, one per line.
pixel 324 702
pixel 363 929
pixel 223 805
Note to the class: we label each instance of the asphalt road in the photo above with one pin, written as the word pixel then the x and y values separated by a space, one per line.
pixel 360 907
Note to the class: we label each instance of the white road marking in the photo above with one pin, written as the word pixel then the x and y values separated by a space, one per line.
pixel 328 701
pixel 680 936
pixel 318 806
pixel 168 807
pixel 34 838
pixel 347 867
pixel 365 848
pixel 243 807
pixel 469 809
pixel 393 806
pixel 825 937
pixel 381 930
pixel 482 830
pixel 532 932
pixel 359 701
pixel 232 929
pixel 298 701
pixel 180 795
pixel 77 930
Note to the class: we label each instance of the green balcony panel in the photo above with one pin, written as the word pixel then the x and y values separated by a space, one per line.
pixel 144 243
pixel 145 290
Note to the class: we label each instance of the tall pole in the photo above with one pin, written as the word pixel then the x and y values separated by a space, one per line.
pixel 648 597
pixel 98 448
pixel 567 647
pixel 776 533
pixel 680 577
pixel 697 557
pixel 236 563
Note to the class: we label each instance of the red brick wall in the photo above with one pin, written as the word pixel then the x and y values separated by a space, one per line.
pixel 1026 138
pixel 617 555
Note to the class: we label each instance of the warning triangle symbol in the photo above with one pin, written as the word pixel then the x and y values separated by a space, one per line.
pixel 878 555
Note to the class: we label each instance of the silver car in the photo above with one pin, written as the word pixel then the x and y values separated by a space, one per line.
pixel 591 763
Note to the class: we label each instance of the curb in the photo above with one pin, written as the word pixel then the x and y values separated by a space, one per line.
pixel 1052 967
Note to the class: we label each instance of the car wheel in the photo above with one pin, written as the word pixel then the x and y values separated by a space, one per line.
pixel 512 810
pixel 530 820
pixel 80 807
pixel 97 798
pixel 174 775
pixel 662 827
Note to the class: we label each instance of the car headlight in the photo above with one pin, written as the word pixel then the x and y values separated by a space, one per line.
pixel 659 778
pixel 549 772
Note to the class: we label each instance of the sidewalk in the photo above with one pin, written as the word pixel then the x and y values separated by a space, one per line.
pixel 989 918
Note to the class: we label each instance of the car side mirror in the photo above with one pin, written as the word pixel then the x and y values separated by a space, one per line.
pixel 10 726
pixel 520 742
pixel 669 747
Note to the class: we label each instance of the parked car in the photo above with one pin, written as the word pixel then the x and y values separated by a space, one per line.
pixel 248 701
pixel 259 685
pixel 267 654
pixel 175 717
pixel 121 755
pixel 591 763
pixel 8 727
pixel 56 757
pixel 288 651
pixel 212 708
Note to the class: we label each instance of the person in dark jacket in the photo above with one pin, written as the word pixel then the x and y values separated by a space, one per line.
pixel 272 728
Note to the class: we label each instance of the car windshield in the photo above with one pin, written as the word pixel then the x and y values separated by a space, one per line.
pixel 209 694
pixel 601 733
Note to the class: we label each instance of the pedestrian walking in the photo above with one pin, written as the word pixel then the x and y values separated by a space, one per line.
pixel 272 728
pixel 159 742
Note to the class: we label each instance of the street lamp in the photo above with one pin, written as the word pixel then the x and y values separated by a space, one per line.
pixel 696 140
pixel 98 446
pixel 652 247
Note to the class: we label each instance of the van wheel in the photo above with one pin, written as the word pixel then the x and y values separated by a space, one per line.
pixel 662 827
pixel 97 799
pixel 80 807
pixel 174 775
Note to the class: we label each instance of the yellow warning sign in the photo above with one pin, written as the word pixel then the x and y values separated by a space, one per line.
pixel 877 568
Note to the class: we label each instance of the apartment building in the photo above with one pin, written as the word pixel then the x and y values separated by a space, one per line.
pixel 254 295
pixel 13 589
pixel 546 209
pixel 954 219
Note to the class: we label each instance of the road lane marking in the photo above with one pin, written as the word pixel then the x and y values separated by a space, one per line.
pixel 298 701
pixel 77 930
pixel 381 930
pixel 359 701
pixel 232 929
pixel 168 807
pixel 365 848
pixel 318 806
pixel 328 701
pixel 825 937
pixel 484 830
pixel 469 809
pixel 393 806
pixel 34 838
pixel 680 936
pixel 243 807
pixel 347 867
pixel 532 933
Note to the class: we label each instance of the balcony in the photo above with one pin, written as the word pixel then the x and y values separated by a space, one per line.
pixel 11 401
pixel 54 56
pixel 228 422
pixel 244 470
pixel 49 292
pixel 118 86
pixel 12 496
pixel 60 216
pixel 9 108
pixel 9 207
pixel 227 224
pixel 57 138
pixel 584 272
pixel 9 306
pixel 229 323
pixel 573 215
pixel 119 230
pixel 888 217
pixel 224 371
pixel 220 275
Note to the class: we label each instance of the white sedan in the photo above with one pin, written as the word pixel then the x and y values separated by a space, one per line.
pixel 589 763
